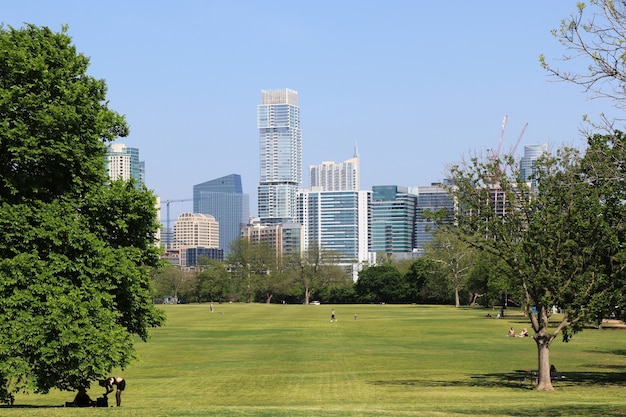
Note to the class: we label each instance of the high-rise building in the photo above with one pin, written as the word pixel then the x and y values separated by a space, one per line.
pixel 434 197
pixel 393 220
pixel 527 163
pixel 330 176
pixel 337 221
pixel 122 163
pixel 223 198
pixel 285 238
pixel 195 229
pixel 280 143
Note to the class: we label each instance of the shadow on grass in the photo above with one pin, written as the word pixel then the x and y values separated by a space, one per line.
pixel 34 407
pixel 517 381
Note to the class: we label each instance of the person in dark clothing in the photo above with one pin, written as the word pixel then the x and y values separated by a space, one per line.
pixel 119 382
pixel 82 399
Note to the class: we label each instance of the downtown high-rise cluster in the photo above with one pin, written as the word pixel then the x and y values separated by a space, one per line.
pixel 333 214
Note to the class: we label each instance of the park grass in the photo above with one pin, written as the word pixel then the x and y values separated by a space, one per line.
pixel 396 360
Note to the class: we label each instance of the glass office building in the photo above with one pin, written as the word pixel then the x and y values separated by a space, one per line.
pixel 393 220
pixel 527 163
pixel 280 143
pixel 223 198
pixel 434 197
pixel 337 221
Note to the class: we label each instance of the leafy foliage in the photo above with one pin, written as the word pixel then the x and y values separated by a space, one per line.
pixel 562 245
pixel 381 284
pixel 76 251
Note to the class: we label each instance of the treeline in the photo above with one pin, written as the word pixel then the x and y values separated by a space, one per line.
pixel 449 273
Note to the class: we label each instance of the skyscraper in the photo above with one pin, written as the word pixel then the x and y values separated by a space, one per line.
pixel 122 163
pixel 434 197
pixel 393 220
pixel 330 176
pixel 527 163
pixel 337 221
pixel 223 198
pixel 280 143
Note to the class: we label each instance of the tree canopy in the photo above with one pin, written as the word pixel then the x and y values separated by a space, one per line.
pixel 561 244
pixel 76 249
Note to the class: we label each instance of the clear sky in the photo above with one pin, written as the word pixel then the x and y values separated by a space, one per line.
pixel 414 84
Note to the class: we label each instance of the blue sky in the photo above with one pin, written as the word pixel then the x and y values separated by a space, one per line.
pixel 415 84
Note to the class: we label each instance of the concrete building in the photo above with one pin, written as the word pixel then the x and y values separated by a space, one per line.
pixel 196 229
pixel 285 238
pixel 330 176
pixel 123 163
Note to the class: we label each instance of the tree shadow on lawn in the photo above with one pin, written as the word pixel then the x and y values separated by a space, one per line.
pixel 518 380
pixel 33 407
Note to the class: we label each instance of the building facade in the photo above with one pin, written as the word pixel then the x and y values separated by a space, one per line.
pixel 122 163
pixel 337 221
pixel 285 238
pixel 196 229
pixel 393 221
pixel 280 144
pixel 434 197
pixel 190 256
pixel 330 176
pixel 223 198
pixel 527 162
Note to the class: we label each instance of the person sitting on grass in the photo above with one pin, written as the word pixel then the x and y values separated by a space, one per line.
pixel 511 332
pixel 523 333
pixel 554 375
pixel 82 399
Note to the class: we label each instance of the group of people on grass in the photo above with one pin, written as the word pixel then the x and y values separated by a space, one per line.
pixel 523 333
pixel 82 399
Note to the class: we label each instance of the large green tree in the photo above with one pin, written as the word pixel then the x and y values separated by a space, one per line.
pixel 381 284
pixel 455 257
pixel 77 249
pixel 562 243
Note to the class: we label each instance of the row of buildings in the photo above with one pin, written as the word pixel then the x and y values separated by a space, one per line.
pixel 332 214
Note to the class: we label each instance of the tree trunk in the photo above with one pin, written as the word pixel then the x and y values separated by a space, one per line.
pixel 457 301
pixel 268 298
pixel 544 382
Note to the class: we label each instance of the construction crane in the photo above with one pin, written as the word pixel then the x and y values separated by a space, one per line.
pixel 167 206
pixel 495 155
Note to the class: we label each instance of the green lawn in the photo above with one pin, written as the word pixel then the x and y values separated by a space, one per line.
pixel 396 360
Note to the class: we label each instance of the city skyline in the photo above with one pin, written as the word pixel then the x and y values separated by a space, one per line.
pixel 417 86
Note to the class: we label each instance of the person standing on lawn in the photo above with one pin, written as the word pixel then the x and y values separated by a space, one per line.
pixel 119 382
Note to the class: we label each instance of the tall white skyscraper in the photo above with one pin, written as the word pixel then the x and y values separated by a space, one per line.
pixel 330 176
pixel 280 143
pixel 123 163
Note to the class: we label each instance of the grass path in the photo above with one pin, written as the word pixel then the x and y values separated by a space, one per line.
pixel 290 360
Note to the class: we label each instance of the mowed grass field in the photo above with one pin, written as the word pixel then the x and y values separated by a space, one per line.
pixel 395 360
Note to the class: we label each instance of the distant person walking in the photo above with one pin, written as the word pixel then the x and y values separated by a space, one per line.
pixel 108 385
pixel 211 307
pixel 332 315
